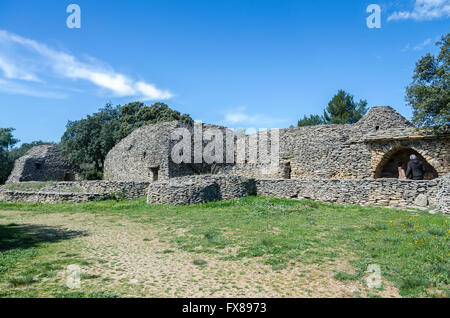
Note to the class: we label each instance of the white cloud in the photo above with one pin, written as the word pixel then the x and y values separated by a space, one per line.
pixel 423 45
pixel 418 47
pixel 239 117
pixel 57 63
pixel 16 88
pixel 150 90
pixel 12 72
pixel 424 10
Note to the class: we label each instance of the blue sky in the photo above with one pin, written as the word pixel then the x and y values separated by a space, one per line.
pixel 239 63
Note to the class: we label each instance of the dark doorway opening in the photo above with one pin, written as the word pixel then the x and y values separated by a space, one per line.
pixel 398 156
pixel 287 171
pixel 69 176
pixel 155 173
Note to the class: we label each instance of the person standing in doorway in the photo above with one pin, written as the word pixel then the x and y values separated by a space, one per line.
pixel 402 171
pixel 415 169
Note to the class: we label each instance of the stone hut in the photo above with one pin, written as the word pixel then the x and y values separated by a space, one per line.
pixel 146 154
pixel 372 148
pixel 42 163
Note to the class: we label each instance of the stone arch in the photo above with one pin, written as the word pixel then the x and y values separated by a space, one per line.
pixel 388 166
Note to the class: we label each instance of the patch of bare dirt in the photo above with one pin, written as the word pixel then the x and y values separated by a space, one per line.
pixel 128 259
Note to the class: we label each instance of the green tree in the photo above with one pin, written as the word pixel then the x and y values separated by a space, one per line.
pixel 86 142
pixel 5 165
pixel 342 109
pixel 7 139
pixel 312 120
pixel 135 115
pixel 429 93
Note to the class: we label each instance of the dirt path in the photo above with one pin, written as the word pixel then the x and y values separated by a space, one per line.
pixel 129 259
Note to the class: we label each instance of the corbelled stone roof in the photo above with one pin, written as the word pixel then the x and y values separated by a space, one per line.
pixel 41 163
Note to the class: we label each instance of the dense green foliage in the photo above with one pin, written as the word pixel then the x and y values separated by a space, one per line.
pixel 342 109
pixel 429 93
pixel 5 166
pixel 7 139
pixel 86 142
pixel 6 142
pixel 312 120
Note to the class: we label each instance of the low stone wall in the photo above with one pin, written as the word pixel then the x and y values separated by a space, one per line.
pixel 199 189
pixel 380 192
pixel 49 197
pixel 78 191
pixel 443 196
pixel 127 190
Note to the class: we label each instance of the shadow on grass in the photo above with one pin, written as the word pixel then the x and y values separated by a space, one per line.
pixel 24 236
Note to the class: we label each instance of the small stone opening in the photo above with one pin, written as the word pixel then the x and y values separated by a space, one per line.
pixel 287 170
pixel 38 165
pixel 400 156
pixel 154 173
pixel 69 176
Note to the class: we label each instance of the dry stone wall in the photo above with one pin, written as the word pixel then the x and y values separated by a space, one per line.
pixel 381 192
pixel 127 190
pixel 199 189
pixel 49 197
pixel 325 151
pixel 335 151
pixel 443 196
pixel 79 191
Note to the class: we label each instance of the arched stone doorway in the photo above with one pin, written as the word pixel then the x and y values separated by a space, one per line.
pixel 399 155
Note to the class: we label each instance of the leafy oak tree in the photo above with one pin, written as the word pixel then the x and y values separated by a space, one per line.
pixel 429 93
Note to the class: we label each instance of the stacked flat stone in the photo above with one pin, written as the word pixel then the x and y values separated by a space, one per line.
pixel 444 194
pixel 199 189
pixel 184 192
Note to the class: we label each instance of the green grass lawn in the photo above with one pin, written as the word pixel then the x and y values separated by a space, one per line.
pixel 412 248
